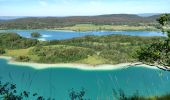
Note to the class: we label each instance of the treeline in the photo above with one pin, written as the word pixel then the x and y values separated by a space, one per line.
pixel 15 41
pixel 59 22
pixel 108 39
pixel 60 54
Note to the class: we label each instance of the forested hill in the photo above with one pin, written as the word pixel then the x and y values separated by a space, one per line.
pixel 57 22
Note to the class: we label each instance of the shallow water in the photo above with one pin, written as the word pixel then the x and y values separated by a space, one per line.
pixel 61 35
pixel 98 84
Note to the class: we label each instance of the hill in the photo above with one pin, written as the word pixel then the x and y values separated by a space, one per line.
pixel 92 50
pixel 59 22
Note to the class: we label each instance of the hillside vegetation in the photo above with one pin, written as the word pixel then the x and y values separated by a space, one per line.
pixel 111 49
pixel 61 22
pixel 15 41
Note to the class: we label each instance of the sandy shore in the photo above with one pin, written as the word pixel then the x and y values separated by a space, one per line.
pixel 76 66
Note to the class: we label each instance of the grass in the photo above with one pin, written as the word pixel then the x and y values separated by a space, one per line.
pixel 20 52
pixel 91 27
pixel 17 52
pixel 93 60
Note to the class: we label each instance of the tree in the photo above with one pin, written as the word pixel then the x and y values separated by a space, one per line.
pixel 77 95
pixel 2 51
pixel 15 41
pixel 8 91
pixel 158 52
pixel 163 19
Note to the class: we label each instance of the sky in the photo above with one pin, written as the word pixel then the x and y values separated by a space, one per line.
pixel 81 7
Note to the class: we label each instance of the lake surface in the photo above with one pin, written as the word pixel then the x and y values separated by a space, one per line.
pixel 61 35
pixel 99 85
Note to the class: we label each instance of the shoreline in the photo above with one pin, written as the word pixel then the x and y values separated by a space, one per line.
pixel 103 67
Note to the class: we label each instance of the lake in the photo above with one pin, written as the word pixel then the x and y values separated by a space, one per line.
pixel 61 35
pixel 99 85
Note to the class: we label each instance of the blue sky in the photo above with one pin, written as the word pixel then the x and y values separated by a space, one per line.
pixel 81 7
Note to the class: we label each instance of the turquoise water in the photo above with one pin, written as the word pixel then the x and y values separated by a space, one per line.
pixel 98 84
pixel 60 35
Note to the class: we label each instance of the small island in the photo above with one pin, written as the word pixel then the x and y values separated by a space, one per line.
pixel 35 35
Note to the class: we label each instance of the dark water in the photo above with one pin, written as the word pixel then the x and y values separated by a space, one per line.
pixel 61 35
pixel 98 84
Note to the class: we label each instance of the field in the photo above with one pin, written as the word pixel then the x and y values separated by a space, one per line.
pixel 92 27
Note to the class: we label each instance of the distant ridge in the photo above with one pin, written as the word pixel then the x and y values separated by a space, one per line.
pixel 105 15
pixel 148 14
pixel 57 22
pixel 10 17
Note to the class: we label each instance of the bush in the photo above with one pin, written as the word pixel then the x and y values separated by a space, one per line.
pixel 23 58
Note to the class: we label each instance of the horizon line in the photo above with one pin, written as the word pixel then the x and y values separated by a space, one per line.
pixel 82 15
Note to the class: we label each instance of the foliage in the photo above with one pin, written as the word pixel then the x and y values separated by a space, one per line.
pixel 159 52
pixel 60 22
pixel 163 19
pixel 60 54
pixel 120 95
pixel 15 41
pixel 113 48
pixel 2 51
pixel 110 49
pixel 23 58
pixel 8 91
pixel 35 34
pixel 77 95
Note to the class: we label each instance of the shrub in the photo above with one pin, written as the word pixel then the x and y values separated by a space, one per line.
pixel 23 58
